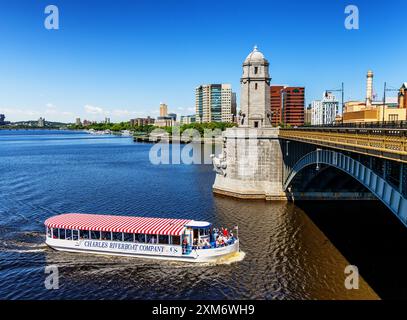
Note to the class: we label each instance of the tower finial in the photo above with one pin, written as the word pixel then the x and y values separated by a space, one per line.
pixel 255 47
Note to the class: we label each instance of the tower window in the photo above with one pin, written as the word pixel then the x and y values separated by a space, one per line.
pixel 255 86
pixel 256 69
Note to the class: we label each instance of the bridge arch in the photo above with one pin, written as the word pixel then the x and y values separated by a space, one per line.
pixel 383 190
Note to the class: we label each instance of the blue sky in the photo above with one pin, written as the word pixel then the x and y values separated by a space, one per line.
pixel 122 58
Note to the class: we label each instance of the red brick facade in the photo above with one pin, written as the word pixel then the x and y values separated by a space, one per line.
pixel 287 105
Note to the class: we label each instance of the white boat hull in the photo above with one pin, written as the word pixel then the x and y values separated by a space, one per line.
pixel 161 252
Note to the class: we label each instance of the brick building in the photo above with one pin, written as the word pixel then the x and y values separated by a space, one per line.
pixel 287 105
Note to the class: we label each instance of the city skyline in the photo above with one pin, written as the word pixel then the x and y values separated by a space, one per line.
pixel 122 60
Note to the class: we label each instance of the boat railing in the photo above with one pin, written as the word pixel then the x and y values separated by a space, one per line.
pixel 213 245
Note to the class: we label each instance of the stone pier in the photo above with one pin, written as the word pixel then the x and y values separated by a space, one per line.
pixel 250 165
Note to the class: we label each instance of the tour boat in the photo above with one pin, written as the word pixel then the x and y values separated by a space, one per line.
pixel 158 238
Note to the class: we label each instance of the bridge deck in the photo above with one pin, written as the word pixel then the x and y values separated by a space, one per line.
pixel 387 143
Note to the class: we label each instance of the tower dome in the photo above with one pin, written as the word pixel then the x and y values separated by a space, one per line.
pixel 255 56
pixel 255 91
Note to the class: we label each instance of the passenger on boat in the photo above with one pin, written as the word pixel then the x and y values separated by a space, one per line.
pixel 226 232
pixel 215 233
pixel 220 242
pixel 184 245
pixel 206 244
pixel 203 244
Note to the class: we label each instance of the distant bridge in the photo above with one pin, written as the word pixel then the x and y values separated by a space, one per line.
pixel 375 157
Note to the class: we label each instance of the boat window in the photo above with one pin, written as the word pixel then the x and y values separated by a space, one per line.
pixel 61 233
pixel 151 238
pixel 95 235
pixel 55 233
pixel 84 234
pixel 128 237
pixel 106 235
pixel 117 236
pixel 176 240
pixel 204 232
pixel 49 232
pixel 75 234
pixel 68 234
pixel 140 237
pixel 163 239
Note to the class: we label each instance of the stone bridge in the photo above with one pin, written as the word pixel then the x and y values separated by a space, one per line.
pixel 315 164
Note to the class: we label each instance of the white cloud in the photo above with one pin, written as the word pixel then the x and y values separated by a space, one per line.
pixel 125 112
pixel 94 110
pixel 19 114
pixel 50 105
pixel 186 110
pixel 122 114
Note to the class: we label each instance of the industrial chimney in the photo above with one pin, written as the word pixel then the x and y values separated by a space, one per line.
pixel 369 88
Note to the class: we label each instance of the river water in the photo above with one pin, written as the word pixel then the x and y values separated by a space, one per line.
pixel 43 173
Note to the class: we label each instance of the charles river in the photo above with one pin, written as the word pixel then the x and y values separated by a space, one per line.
pixel 290 251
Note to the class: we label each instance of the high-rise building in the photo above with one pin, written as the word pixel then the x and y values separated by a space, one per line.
pixel 2 118
pixel 293 106
pixel 163 110
pixel 213 103
pixel 308 115
pixel 287 105
pixel 41 122
pixel 226 109
pixel 107 120
pixel 234 106
pixel 165 119
pixel 276 104
pixel 324 112
pixel 78 122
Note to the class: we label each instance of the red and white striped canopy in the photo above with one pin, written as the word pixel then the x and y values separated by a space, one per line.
pixel 98 222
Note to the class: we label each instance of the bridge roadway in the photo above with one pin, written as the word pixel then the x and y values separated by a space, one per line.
pixel 382 142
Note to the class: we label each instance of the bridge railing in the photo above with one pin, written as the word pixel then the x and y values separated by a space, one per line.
pixel 376 124
pixel 389 144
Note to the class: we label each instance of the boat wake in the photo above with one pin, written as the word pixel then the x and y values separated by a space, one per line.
pixel 228 259
pixel 23 250
pixel 26 242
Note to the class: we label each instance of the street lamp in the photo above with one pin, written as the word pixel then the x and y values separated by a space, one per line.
pixel 384 99
pixel 342 91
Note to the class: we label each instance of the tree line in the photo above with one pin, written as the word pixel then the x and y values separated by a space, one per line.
pixel 149 128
